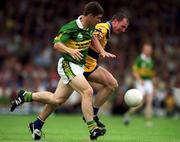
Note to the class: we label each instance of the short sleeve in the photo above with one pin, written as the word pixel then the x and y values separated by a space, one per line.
pixel 136 64
pixel 100 31
pixel 63 37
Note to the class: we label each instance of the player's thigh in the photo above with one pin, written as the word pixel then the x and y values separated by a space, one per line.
pixel 80 84
pixel 96 86
pixel 68 70
pixel 149 87
pixel 63 91
pixel 140 87
pixel 102 76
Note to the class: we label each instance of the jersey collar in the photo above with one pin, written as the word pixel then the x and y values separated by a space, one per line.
pixel 110 26
pixel 79 23
pixel 144 57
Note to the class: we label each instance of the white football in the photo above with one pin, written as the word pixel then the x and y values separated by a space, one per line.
pixel 133 97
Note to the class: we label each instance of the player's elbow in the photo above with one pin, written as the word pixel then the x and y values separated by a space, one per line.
pixel 56 46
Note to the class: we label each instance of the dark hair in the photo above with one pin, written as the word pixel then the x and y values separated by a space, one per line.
pixel 93 8
pixel 146 42
pixel 123 13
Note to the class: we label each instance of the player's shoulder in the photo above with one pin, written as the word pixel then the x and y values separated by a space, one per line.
pixel 70 26
pixel 102 28
pixel 138 59
pixel 102 25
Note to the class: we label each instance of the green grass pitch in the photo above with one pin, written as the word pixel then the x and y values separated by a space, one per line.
pixel 70 128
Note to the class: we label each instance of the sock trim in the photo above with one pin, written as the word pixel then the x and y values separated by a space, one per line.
pixel 40 119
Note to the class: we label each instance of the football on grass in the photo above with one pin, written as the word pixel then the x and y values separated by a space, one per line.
pixel 133 97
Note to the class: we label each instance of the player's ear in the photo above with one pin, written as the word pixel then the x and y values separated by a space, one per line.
pixel 91 15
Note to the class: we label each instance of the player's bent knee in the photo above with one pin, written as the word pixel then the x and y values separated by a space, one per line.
pixel 113 85
pixel 60 101
pixel 57 102
pixel 88 92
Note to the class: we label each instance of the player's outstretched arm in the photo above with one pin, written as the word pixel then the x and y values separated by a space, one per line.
pixel 99 48
pixel 107 54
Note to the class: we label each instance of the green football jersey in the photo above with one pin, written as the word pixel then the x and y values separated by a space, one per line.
pixel 74 36
pixel 144 67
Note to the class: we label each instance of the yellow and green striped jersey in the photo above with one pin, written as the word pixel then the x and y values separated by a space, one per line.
pixel 144 67
pixel 75 36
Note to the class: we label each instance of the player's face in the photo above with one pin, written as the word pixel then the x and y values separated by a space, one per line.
pixel 120 26
pixel 95 19
pixel 147 49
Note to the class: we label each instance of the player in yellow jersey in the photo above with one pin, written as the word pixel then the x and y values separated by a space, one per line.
pixel 93 72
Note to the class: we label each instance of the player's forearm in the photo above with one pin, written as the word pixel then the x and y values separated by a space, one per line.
pixel 137 76
pixel 155 81
pixel 97 44
pixel 61 47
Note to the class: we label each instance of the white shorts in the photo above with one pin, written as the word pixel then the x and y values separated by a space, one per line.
pixel 147 88
pixel 68 70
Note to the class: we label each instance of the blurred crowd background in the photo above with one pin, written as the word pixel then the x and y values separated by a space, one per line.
pixel 28 60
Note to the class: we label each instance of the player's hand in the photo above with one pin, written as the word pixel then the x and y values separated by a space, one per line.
pixel 142 82
pixel 76 54
pixel 105 54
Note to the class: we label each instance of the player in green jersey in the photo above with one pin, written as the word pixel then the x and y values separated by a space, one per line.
pixel 143 72
pixel 73 41
pixel 98 74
